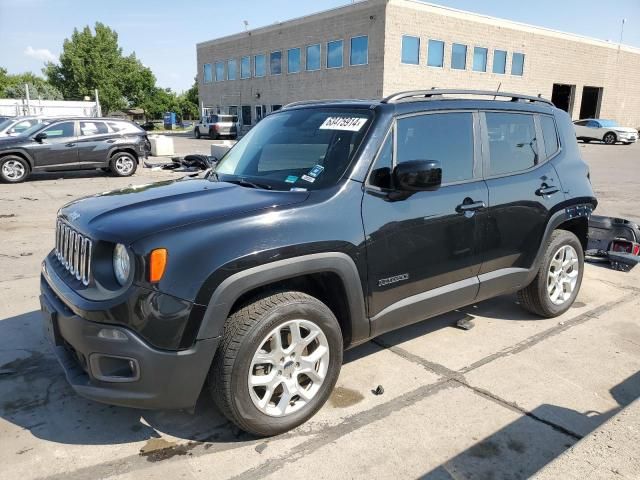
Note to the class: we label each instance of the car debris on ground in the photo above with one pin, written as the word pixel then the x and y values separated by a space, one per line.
pixel 613 240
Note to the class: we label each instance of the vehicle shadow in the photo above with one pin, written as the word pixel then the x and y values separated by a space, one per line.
pixel 66 174
pixel 526 445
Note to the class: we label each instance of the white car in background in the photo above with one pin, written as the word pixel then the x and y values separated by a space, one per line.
pixel 14 126
pixel 606 131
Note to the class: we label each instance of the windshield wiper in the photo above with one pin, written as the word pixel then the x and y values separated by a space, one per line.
pixel 246 183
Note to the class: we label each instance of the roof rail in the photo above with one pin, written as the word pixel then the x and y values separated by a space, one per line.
pixel 420 95
pixel 311 102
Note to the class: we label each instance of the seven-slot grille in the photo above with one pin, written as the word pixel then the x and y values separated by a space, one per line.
pixel 73 250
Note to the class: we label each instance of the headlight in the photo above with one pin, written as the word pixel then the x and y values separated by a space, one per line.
pixel 121 264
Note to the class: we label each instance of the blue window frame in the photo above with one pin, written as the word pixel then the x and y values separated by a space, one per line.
pixel 275 63
pixel 435 53
pixel 335 54
pixel 232 69
pixel 359 50
pixel 479 59
pixel 410 50
pixel 458 56
pixel 517 64
pixel 245 67
pixel 499 61
pixel 293 60
pixel 207 73
pixel 313 57
pixel 219 71
pixel 260 65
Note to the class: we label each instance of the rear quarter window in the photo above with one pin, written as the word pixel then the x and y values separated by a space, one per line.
pixel 550 135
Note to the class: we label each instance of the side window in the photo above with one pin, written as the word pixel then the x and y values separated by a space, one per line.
pixel 60 130
pixel 512 142
pixel 549 134
pixel 444 137
pixel 93 128
pixel 583 123
pixel 22 126
pixel 381 173
pixel 593 124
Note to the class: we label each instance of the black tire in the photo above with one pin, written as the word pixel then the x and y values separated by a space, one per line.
pixel 213 135
pixel 106 169
pixel 586 140
pixel 14 169
pixel 244 330
pixel 535 297
pixel 610 138
pixel 196 133
pixel 127 158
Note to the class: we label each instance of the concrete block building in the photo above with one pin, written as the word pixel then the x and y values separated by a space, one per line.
pixel 373 48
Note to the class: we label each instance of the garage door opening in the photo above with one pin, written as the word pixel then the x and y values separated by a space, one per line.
pixel 591 99
pixel 562 96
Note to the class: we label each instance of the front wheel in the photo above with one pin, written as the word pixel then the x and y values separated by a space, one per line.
pixel 277 364
pixel 13 169
pixel 609 138
pixel 555 287
pixel 196 133
pixel 123 164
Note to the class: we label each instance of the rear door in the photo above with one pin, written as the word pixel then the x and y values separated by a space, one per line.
pixel 95 139
pixel 523 189
pixel 59 148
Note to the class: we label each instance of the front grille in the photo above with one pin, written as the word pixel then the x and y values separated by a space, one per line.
pixel 73 251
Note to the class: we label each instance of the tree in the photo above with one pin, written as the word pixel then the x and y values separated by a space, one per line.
pixel 189 102
pixel 95 61
pixel 12 86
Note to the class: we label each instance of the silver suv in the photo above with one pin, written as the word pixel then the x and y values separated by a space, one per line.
pixel 216 126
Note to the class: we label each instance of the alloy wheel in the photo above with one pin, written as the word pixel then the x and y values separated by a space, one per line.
pixel 563 274
pixel 13 170
pixel 124 165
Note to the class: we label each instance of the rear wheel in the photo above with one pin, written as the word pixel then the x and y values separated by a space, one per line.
pixel 123 164
pixel 213 135
pixel 13 169
pixel 196 133
pixel 610 138
pixel 558 281
pixel 277 364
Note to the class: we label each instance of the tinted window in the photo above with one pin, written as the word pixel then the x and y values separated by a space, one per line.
pixel 512 142
pixel 458 56
pixel 275 108
pixel 260 65
pixel 313 57
pixel 245 67
pixel 293 60
pixel 582 123
pixel 381 173
pixel 435 55
pixel 232 69
pixel 207 73
pixel 480 59
pixel 219 71
pixel 517 64
pixel 499 61
pixel 23 125
pixel 549 134
pixel 60 130
pixel 410 50
pixel 335 54
pixel 275 63
pixel 93 128
pixel 445 137
pixel 246 115
pixel 360 50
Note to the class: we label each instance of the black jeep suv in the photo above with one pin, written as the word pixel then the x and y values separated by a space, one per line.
pixel 328 224
pixel 111 144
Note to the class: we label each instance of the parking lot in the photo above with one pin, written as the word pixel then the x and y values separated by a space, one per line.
pixel 502 400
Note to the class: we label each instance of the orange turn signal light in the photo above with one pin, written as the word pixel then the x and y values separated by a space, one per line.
pixel 157 264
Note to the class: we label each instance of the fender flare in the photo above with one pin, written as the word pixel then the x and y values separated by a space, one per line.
pixel 21 153
pixel 122 146
pixel 232 288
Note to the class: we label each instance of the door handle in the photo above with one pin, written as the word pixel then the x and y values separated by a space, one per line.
pixel 470 206
pixel 546 190
pixel 70 145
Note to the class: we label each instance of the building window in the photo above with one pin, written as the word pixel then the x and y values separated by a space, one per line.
pixel 335 54
pixel 232 69
pixel 293 60
pixel 410 50
pixel 219 71
pixel 260 65
pixel 207 73
pixel 313 57
pixel 499 61
pixel 435 54
pixel 275 63
pixel 479 59
pixel 517 64
pixel 233 110
pixel 458 56
pixel 245 67
pixel 359 50
pixel 275 108
pixel 261 112
pixel 246 115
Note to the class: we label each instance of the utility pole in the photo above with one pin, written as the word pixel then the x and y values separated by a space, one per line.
pixel 26 92
pixel 624 20
pixel 98 107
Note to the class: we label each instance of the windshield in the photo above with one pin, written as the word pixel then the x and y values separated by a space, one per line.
pixel 34 128
pixel 5 123
pixel 608 123
pixel 304 149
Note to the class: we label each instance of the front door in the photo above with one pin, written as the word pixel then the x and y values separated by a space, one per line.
pixel 59 148
pixel 424 252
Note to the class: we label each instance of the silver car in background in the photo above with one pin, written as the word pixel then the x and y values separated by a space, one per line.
pixel 607 131
pixel 14 126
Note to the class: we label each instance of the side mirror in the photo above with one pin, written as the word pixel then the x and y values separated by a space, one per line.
pixel 39 137
pixel 417 175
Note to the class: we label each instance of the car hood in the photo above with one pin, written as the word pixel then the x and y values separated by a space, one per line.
pixel 8 142
pixel 131 213
pixel 625 129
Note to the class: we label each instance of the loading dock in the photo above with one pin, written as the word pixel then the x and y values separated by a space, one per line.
pixel 591 100
pixel 563 95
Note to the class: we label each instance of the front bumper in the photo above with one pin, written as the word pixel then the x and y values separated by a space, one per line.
pixel 161 380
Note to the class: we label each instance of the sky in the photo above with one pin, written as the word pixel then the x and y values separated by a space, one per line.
pixel 164 33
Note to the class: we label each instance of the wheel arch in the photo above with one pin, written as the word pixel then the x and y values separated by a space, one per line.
pixel 123 149
pixel 18 153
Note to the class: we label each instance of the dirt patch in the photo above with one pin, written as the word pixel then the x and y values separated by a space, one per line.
pixel 158 449
pixel 342 397
pixel 578 305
